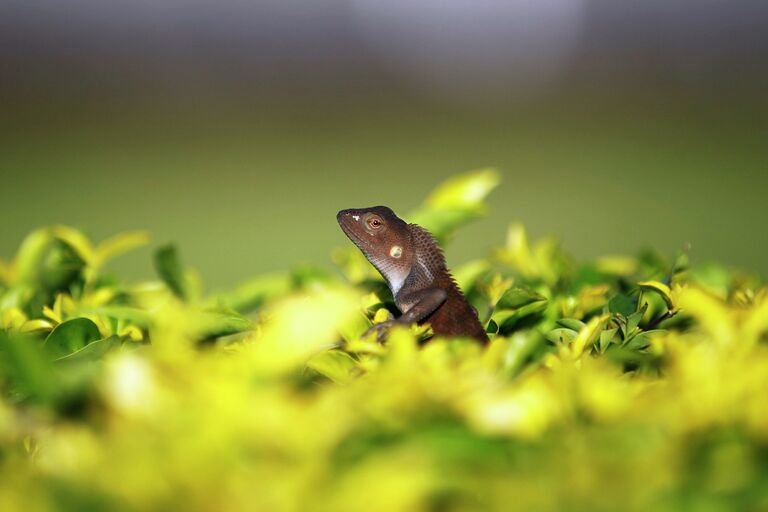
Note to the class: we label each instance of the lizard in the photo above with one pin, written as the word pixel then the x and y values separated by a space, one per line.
pixel 412 263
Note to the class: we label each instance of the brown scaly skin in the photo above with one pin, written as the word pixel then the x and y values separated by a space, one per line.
pixel 413 265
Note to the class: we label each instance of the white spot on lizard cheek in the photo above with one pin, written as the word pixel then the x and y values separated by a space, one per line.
pixel 396 251
pixel 356 217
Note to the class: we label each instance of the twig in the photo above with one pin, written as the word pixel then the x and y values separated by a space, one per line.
pixel 666 316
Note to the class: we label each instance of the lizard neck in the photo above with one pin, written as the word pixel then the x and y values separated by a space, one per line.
pixel 427 265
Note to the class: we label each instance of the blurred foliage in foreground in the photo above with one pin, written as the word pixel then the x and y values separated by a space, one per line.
pixel 625 383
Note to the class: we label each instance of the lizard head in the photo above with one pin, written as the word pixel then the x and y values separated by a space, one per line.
pixel 383 238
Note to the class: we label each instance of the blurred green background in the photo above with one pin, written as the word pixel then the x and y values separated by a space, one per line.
pixel 239 135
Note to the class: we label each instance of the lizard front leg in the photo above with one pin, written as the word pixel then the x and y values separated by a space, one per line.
pixel 424 303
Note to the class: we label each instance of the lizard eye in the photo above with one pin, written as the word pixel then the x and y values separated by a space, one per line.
pixel 374 223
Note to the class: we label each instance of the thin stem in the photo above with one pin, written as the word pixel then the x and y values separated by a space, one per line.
pixel 666 316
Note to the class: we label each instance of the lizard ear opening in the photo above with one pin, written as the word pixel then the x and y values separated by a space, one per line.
pixel 396 251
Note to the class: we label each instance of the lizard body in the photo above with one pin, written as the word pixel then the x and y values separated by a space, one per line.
pixel 413 265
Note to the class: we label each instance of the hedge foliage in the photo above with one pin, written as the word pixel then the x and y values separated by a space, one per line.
pixel 626 383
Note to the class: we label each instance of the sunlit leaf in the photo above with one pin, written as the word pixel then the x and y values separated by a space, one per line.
pixel 464 192
pixel 76 240
pixel 119 244
pixel 456 201
pixel 588 335
pixel 466 275
pixel 659 288
pixel 354 327
pixel 5 273
pixel 617 265
pixel 12 318
pixel 334 364
pixel 517 251
pixel 286 344
pixel 38 325
pixel 30 254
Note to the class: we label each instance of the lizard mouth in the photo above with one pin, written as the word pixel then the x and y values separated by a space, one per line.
pixel 343 218
pixel 362 243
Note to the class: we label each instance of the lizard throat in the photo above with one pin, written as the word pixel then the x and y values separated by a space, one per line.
pixel 392 272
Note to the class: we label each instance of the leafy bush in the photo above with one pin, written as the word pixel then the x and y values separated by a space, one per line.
pixel 624 383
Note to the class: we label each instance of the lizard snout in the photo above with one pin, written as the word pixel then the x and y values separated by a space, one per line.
pixel 346 216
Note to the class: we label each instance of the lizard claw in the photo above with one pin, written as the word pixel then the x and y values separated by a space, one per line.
pixel 381 329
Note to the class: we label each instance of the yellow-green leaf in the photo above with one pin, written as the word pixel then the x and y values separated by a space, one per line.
pixel 464 192
pixel 119 244
pixel 334 364
pixel 588 334
pixel 661 289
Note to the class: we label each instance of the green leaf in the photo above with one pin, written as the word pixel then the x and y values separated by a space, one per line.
pixel 571 323
pixel 59 267
pixel 511 319
pixel 622 304
pixel 70 336
pixel 518 350
pixel 30 254
pixel 250 295
pixel 606 338
pixel 48 262
pixel 168 267
pixel 24 365
pixel 92 351
pixel 633 321
pixel 468 274
pixel 642 340
pixel 310 275
pixel 518 297
pixel 682 262
pixel 561 335
pixel 713 277
pixel 214 324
